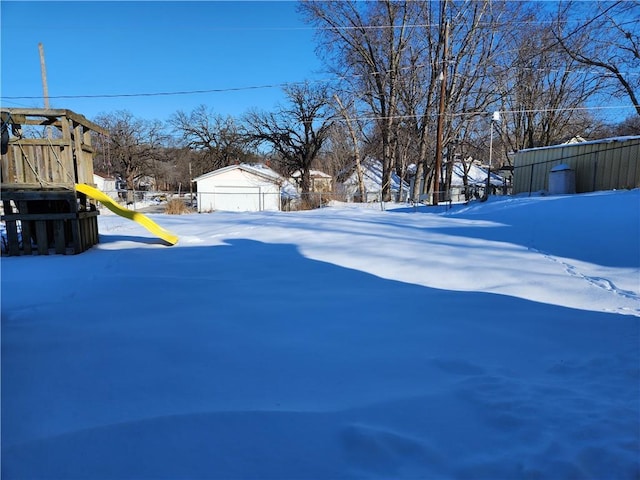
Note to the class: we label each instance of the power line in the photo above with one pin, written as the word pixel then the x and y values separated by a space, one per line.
pixel 480 113
pixel 157 94
pixel 394 117
pixel 548 110
pixel 18 27
pixel 276 85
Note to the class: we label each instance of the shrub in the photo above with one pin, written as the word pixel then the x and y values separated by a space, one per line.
pixel 176 206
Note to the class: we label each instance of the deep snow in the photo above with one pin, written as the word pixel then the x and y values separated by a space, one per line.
pixel 496 340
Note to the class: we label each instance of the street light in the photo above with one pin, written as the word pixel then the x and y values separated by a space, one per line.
pixel 438 165
pixel 495 118
pixel 439 133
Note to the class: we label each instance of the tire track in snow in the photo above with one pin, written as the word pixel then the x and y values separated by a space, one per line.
pixel 599 282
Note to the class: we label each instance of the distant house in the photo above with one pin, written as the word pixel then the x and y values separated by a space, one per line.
pixel 106 184
pixel 320 182
pixel 467 180
pixel 242 188
pixel 476 176
pixel 372 178
pixel 575 139
pixel 146 183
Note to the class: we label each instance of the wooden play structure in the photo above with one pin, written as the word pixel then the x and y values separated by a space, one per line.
pixel 42 210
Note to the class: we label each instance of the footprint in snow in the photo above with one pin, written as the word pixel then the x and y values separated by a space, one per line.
pixel 600 282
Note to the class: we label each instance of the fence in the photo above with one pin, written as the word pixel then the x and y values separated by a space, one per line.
pixel 156 201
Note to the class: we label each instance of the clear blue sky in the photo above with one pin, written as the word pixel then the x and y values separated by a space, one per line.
pixel 113 48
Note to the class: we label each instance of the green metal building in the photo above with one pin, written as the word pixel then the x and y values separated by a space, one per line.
pixel 607 164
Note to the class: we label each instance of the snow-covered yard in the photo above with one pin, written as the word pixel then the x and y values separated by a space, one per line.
pixel 497 340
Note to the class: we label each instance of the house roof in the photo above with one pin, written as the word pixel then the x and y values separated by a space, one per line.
pixel 372 176
pixel 602 140
pixel 104 177
pixel 261 171
pixel 312 173
pixel 575 139
pixel 475 175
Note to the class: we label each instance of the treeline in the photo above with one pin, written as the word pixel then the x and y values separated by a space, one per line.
pixel 422 83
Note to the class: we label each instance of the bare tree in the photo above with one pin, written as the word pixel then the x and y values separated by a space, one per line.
pixel 543 91
pixel 607 39
pixel 352 127
pixel 297 132
pixel 418 90
pixel 432 74
pixel 392 55
pixel 171 168
pixel 447 80
pixel 366 41
pixel 220 141
pixel 132 144
pixel 337 155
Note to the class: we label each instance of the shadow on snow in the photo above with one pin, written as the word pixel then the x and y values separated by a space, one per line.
pixel 249 360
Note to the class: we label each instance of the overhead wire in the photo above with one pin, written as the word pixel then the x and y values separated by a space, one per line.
pixel 227 28
pixel 280 85
pixel 286 84
pixel 12 98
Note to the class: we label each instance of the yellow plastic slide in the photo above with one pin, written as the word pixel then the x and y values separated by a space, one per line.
pixel 140 218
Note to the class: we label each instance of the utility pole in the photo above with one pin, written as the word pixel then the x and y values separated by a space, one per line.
pixel 495 118
pixel 43 70
pixel 439 133
pixel 190 186
pixel 45 88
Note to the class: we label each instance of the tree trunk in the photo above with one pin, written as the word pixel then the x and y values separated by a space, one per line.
pixel 356 149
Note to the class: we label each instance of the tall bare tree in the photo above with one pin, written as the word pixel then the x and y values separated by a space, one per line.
pixel 365 42
pixel 450 66
pixel 171 168
pixel 220 141
pixel 544 91
pixel 353 128
pixel 392 54
pixel 432 73
pixel 296 132
pixel 338 155
pixel 132 144
pixel 605 38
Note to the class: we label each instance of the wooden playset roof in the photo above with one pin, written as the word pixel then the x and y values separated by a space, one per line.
pixel 50 116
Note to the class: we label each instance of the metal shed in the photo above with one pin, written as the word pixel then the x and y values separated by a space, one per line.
pixel 607 164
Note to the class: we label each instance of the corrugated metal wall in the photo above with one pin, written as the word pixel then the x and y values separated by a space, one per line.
pixel 599 165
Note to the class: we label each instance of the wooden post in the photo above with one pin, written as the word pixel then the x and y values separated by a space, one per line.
pixel 45 87
pixel 43 71
pixel 66 155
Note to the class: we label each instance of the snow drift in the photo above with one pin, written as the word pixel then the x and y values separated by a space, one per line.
pixel 494 340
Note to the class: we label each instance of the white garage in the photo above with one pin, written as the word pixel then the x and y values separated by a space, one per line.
pixel 239 188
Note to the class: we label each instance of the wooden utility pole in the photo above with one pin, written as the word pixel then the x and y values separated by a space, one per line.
pixel 43 70
pixel 190 186
pixel 45 88
pixel 439 133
